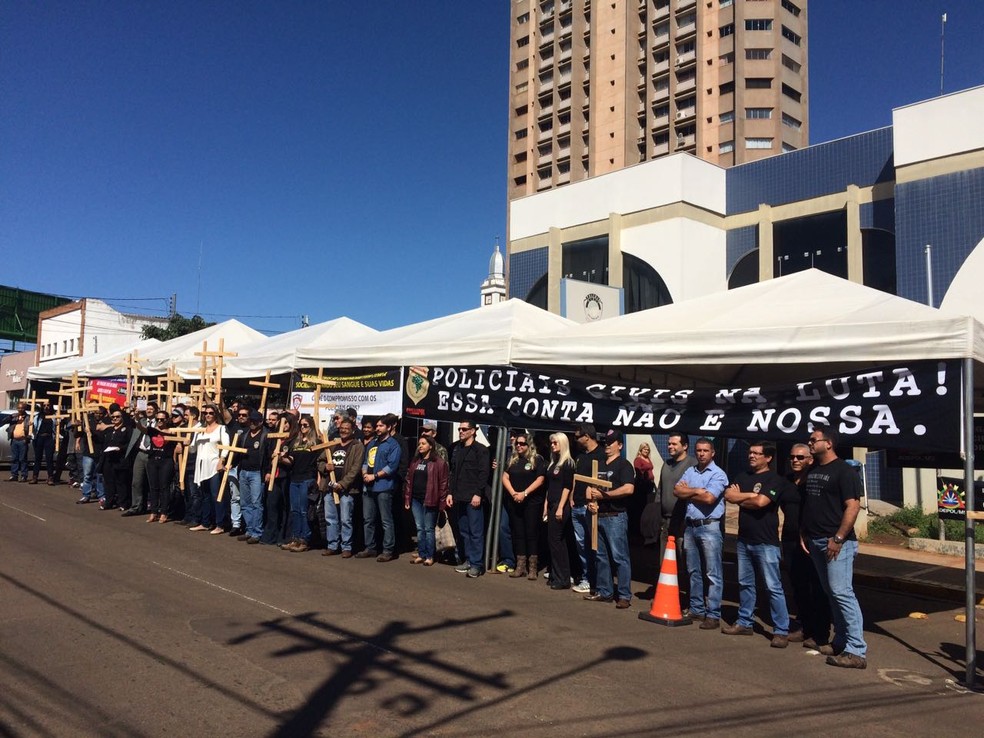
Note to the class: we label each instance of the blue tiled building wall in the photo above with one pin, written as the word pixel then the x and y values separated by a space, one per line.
pixel 946 212
pixel 739 242
pixel 862 160
pixel 525 268
pixel 879 214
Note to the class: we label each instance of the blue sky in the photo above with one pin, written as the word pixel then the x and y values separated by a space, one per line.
pixel 325 158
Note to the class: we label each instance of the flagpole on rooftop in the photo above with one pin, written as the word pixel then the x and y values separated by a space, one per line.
pixel 942 46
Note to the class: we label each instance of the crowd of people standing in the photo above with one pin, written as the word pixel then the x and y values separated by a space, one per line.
pixel 275 479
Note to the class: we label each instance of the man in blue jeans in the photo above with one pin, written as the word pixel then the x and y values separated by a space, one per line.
pixel 253 466
pixel 611 507
pixel 758 493
pixel 702 487
pixel 379 472
pixel 589 452
pixel 831 505
pixel 468 484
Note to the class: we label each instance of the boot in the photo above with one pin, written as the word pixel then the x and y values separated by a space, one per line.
pixel 533 567
pixel 520 568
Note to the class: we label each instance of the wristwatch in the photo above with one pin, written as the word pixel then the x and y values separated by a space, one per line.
pixel 838 540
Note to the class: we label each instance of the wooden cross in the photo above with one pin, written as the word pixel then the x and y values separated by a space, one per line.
pixel 331 474
pixel 56 419
pixel 280 435
pixel 593 481
pixel 190 428
pixel 230 451
pixel 318 381
pixel 218 358
pixel 172 380
pixel 266 384
pixel 130 365
pixel 33 403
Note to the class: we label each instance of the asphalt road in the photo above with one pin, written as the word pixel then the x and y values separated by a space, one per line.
pixel 116 627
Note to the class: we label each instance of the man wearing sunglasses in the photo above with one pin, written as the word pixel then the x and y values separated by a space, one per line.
pixel 831 505
pixel 468 482
pixel 812 607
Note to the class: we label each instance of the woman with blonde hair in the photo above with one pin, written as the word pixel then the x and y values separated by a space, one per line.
pixel 557 509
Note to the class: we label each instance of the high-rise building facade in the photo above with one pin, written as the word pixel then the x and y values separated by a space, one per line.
pixel 598 86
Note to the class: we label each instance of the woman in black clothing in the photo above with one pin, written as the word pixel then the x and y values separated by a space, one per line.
pixel 302 463
pixel 113 463
pixel 525 482
pixel 160 466
pixel 557 509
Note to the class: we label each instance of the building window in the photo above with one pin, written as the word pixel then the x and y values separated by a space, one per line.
pixel 522 110
pixel 728 58
pixel 793 9
pixel 524 41
pixel 726 30
pixel 758 24
pixel 522 87
pixel 726 3
pixel 758 113
pixel 520 157
pixel 727 88
pixel 727 147
pixel 758 83
pixel 520 180
pixel 521 133
pixel 791 93
pixel 758 143
pixel 522 64
pixel 524 18
pixel 727 117
pixel 758 53
pixel 786 148
pixel 791 122
pixel 791 36
pixel 794 66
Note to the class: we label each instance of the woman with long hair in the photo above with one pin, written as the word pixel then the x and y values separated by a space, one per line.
pixel 525 482
pixel 209 467
pixel 301 460
pixel 557 509
pixel 275 513
pixel 160 465
pixel 425 492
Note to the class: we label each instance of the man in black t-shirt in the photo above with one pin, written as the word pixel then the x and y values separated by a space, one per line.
pixel 830 507
pixel 611 507
pixel 758 493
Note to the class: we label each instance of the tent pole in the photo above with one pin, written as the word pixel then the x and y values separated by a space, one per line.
pixel 969 563
pixel 495 509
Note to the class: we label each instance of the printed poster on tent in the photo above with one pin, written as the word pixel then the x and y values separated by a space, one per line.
pixel 372 393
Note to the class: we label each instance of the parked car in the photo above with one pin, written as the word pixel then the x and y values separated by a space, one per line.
pixel 6 416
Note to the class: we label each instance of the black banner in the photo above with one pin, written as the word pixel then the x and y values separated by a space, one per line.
pixel 916 405
pixel 924 459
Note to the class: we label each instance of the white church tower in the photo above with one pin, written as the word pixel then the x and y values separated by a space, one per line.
pixel 494 286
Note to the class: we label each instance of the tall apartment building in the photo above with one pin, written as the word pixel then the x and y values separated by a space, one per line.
pixel 598 86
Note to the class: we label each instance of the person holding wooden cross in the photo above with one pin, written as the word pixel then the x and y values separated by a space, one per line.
pixel 702 487
pixel 91 446
pixel 164 449
pixel 208 470
pixel 252 466
pixel 301 459
pixel 591 455
pixel 610 504
pixel 44 444
pixel 341 474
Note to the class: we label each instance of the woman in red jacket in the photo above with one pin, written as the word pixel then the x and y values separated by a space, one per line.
pixel 425 492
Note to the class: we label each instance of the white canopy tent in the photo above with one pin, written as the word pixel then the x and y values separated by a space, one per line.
pixel 278 354
pixel 181 350
pixel 484 335
pixel 98 365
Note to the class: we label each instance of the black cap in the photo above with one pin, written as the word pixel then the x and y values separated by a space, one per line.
pixel 586 429
pixel 611 437
pixel 255 416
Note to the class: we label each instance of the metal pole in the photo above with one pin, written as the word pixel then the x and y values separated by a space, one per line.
pixel 942 37
pixel 495 511
pixel 968 445
pixel 929 275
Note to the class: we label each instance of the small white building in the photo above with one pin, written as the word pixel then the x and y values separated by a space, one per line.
pixel 494 286
pixel 86 328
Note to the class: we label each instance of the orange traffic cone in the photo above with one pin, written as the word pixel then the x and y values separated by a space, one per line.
pixel 666 603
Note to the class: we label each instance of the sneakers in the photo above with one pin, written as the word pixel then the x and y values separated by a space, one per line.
pixel 582 587
pixel 463 568
pixel 710 624
pixel 779 641
pixel 737 630
pixel 474 572
pixel 505 568
pixel 848 661
pixel 83 501
pixel 693 616
pixel 598 598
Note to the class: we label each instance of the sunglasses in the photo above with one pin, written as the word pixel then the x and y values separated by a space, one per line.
pixel 209 412
pixel 305 425
pixel 797 457
pixel 522 443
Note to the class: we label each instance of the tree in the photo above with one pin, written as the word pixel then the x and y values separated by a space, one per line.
pixel 178 325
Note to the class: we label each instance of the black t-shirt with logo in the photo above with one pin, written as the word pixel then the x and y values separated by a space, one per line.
pixel 828 487
pixel 619 472
pixel 420 480
pixel 559 478
pixel 761 525
pixel 523 473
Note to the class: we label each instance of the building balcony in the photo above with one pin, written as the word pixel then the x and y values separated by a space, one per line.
pixel 684 4
pixel 685 114
pixel 661 122
pixel 661 93
pixel 685 86
pixel 686 59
